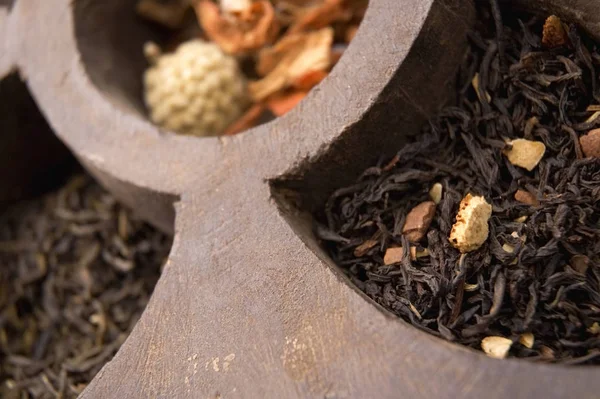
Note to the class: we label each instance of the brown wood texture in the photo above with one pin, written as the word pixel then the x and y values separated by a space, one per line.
pixel 248 305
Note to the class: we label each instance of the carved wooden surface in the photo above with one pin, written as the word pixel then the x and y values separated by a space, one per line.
pixel 249 305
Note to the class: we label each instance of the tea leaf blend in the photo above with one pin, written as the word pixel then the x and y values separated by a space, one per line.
pixel 512 263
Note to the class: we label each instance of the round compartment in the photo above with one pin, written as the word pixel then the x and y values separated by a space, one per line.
pixel 114 60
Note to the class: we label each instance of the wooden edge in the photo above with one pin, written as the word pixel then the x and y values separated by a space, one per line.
pixel 119 142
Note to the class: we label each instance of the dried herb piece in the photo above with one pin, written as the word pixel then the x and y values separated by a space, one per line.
pixel 77 271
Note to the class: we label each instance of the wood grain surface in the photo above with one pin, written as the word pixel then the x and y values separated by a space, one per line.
pixel 248 305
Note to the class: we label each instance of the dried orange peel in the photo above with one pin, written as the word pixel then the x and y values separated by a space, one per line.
pixel 290 59
pixel 239 32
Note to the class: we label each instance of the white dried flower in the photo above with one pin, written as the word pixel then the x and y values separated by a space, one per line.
pixel 197 90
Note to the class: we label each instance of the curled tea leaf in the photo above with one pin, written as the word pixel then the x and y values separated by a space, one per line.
pixel 248 120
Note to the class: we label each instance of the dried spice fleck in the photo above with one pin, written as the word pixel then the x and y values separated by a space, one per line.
pixel 517 135
pixel 77 272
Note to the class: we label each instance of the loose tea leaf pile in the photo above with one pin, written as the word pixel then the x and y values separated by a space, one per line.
pixel 517 139
pixel 283 47
pixel 76 271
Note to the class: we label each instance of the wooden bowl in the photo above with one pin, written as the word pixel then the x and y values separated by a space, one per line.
pixel 248 304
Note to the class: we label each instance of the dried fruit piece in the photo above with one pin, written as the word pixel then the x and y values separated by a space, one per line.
pixel 291 58
pixel 436 193
pixel 393 255
pixel 238 33
pixel 526 197
pixel 554 34
pixel 247 120
pixel 521 219
pixel 546 352
pixel 496 347
pixel 471 228
pixel 527 340
pixel 590 144
pixel 363 248
pixel 309 80
pixel 418 221
pixel 350 33
pixel 594 329
pixel 281 104
pixel 422 253
pixel 235 6
pixel 525 153
pixel 321 15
